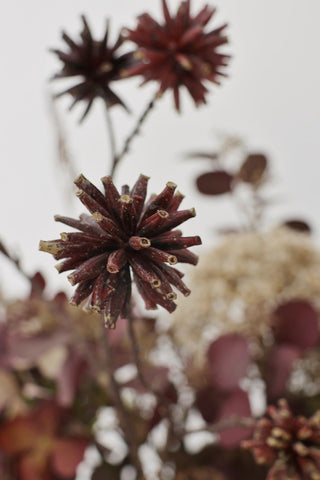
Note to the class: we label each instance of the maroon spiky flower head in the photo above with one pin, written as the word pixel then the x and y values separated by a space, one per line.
pixel 179 52
pixel 97 63
pixel 290 444
pixel 124 236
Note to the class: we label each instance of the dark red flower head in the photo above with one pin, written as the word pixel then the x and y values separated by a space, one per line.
pixel 96 63
pixel 124 234
pixel 290 444
pixel 178 52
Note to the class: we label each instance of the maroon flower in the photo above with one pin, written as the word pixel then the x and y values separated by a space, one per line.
pixel 291 444
pixel 125 234
pixel 97 63
pixel 178 52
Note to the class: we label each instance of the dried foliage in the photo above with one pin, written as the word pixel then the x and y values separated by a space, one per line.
pixel 247 340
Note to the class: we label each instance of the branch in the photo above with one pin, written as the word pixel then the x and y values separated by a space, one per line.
pixel 234 421
pixel 124 419
pixel 64 156
pixel 138 364
pixel 133 134
pixel 14 260
pixel 112 138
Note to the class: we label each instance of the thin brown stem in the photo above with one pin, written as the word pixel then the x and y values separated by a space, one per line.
pixel 234 421
pixel 138 363
pixel 112 138
pixel 133 134
pixel 63 153
pixel 123 416
pixel 14 260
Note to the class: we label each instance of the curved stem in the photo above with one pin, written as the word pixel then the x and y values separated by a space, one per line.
pixel 234 421
pixel 124 418
pixel 138 363
pixel 133 134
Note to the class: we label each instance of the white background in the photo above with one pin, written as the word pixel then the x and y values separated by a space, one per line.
pixel 271 99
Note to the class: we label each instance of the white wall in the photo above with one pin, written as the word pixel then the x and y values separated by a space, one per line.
pixel 271 99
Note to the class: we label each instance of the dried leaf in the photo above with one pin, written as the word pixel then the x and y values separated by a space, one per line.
pixel 228 358
pixel 280 362
pixel 253 168
pixel 298 225
pixel 235 404
pixel 296 323
pixel 66 456
pixel 215 183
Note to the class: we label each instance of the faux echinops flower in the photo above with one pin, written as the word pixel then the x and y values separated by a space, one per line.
pixel 290 444
pixel 124 236
pixel 179 52
pixel 96 63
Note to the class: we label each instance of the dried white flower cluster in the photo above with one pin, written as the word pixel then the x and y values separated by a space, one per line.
pixel 239 282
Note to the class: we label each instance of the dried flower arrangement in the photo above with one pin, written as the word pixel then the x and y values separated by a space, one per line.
pixel 86 389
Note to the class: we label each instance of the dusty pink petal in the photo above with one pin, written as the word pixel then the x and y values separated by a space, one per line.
pixel 281 358
pixel 66 456
pixel 156 377
pixel 31 349
pixel 296 323
pixel 228 358
pixel 68 378
pixel 234 404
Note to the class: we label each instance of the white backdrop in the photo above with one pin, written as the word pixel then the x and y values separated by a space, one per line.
pixel 271 99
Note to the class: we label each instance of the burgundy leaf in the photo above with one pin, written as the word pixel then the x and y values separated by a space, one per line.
pixel 253 168
pixel 208 402
pixel 234 404
pixel 30 349
pixel 170 395
pixel 156 377
pixel 122 356
pixel 34 467
pixel 215 183
pixel 298 225
pixel 296 323
pixel 281 359
pixel 228 361
pixel 68 380
pixel 18 435
pixel 66 456
pixel 38 285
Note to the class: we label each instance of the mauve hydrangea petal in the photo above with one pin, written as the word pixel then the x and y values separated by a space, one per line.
pixel 279 366
pixel 296 323
pixel 66 456
pixel 228 360
pixel 234 404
